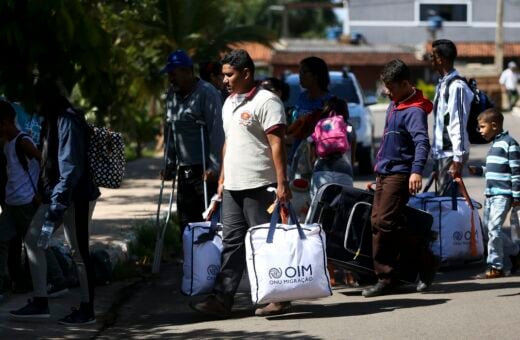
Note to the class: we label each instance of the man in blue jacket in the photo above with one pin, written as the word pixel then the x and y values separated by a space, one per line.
pixel 399 166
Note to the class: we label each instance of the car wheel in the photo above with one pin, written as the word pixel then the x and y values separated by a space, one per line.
pixel 366 158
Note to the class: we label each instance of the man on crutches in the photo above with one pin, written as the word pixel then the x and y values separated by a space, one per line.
pixel 194 114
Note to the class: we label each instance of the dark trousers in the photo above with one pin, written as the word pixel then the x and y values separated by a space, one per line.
pixel 18 269
pixel 512 96
pixel 240 210
pixel 190 194
pixel 394 247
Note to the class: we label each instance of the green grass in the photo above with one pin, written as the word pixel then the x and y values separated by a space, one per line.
pixel 142 247
pixel 130 154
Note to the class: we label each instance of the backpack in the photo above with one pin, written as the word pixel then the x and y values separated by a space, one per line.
pixel 330 135
pixel 106 157
pixel 480 103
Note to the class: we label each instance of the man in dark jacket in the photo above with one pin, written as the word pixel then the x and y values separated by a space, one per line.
pixel 399 165
pixel 69 197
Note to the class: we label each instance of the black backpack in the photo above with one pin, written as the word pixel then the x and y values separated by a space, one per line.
pixel 480 103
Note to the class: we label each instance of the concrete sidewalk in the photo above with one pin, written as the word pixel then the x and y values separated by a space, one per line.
pixel 116 212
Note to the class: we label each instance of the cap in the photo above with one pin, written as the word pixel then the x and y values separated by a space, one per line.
pixel 176 59
pixel 511 64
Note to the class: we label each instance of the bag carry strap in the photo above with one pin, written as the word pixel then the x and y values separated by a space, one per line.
pixel 210 235
pixel 473 237
pixel 274 220
pixel 22 158
pixel 454 191
pixel 430 181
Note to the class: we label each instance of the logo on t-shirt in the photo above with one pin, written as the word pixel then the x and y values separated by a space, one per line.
pixel 245 119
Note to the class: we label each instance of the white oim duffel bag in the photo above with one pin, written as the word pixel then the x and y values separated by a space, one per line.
pixel 286 262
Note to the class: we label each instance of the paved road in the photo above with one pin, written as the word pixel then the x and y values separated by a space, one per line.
pixel 458 306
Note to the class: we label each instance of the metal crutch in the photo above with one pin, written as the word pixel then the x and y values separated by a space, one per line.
pixel 202 124
pixel 159 241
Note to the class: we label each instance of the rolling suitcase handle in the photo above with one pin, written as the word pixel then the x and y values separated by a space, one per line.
pixel 349 223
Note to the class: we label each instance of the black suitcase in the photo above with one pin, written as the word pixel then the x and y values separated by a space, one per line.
pixel 344 213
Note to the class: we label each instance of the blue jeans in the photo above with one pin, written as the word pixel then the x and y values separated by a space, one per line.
pixel 500 246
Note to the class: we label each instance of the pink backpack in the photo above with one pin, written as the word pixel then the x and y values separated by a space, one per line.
pixel 330 135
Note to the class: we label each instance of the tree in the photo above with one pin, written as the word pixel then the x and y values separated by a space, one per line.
pixel 57 39
pixel 108 53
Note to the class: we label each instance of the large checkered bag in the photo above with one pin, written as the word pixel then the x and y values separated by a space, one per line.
pixel 287 262
pixel 106 157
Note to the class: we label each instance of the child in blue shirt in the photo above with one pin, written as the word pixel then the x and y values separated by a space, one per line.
pixel 502 192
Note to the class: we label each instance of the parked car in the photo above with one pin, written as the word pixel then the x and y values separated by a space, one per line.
pixel 345 85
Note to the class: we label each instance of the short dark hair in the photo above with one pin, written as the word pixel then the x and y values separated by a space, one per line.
pixel 337 105
pixel 274 84
pixel 318 67
pixel 50 94
pixel 7 112
pixel 395 71
pixel 492 115
pixel 239 59
pixel 445 49
pixel 208 68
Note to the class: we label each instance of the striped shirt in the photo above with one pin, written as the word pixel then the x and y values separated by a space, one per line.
pixel 503 167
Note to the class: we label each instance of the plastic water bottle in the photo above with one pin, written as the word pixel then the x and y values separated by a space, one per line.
pixel 45 235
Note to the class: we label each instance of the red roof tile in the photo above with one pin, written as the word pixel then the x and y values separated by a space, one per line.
pixel 258 52
pixel 341 58
pixel 483 49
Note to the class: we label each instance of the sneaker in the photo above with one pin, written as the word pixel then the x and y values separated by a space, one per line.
pixel 426 277
pixel 32 310
pixel 380 288
pixel 491 273
pixel 274 308
pixel 55 291
pixel 78 317
pixel 212 306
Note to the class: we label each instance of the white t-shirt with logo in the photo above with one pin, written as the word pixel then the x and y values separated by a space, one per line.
pixel 248 162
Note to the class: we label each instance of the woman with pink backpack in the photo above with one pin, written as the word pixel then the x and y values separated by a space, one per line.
pixel 334 141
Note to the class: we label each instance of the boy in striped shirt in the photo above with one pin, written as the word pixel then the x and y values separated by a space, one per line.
pixel 502 171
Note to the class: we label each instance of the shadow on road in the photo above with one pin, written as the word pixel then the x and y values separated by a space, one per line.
pixel 450 288
pixel 209 333
pixel 355 308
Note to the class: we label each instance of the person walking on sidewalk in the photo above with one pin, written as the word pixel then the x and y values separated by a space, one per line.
pixel 69 197
pixel 21 193
pixel 192 105
pixel 399 175
pixel 450 149
pixel 502 173
pixel 509 81
pixel 253 160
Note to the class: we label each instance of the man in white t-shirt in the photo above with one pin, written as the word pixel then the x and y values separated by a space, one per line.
pixel 509 80
pixel 254 159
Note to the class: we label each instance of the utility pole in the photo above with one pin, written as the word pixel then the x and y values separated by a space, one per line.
pixel 346 20
pixel 499 37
